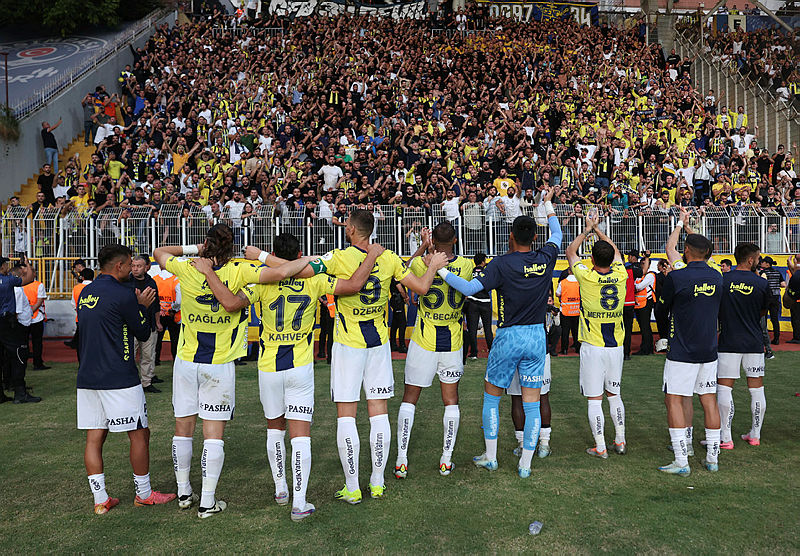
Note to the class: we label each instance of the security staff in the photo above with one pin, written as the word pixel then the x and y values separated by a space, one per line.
pixel 10 330
pixel 570 298
pixel 644 300
pixel 327 316
pixel 169 297
pixel 141 280
pixel 478 307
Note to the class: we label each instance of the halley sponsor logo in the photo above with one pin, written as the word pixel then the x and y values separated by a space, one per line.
pixel 705 289
pixel 534 270
pixel 742 288
pixel 88 301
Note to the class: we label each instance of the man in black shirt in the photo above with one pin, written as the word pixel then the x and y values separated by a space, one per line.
pixel 141 280
pixel 745 296
pixel 45 181
pixel 50 145
pixel 776 281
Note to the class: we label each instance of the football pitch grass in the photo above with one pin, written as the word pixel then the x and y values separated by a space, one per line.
pixel 587 505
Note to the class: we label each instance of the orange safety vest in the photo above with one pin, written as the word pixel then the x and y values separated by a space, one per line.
pixel 644 294
pixel 32 293
pixel 570 298
pixel 330 302
pixel 167 294
pixel 76 293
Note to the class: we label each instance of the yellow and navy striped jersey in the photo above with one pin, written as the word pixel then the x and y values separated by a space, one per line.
pixel 288 313
pixel 361 317
pixel 209 333
pixel 602 301
pixel 439 326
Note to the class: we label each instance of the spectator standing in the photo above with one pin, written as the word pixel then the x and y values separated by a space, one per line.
pixel 45 182
pixel 36 295
pixel 140 280
pixel 50 144
pixel 478 307
pixel 776 281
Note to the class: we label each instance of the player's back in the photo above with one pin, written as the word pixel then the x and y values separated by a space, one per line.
pixel 288 315
pixel 209 333
pixel 522 280
pixel 744 296
pixel 602 301
pixel 361 321
pixel 440 310
pixel 693 293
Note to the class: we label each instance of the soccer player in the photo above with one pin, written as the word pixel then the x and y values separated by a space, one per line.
pixel 693 293
pixel 602 334
pixel 745 298
pixel 522 278
pixel 286 362
pixel 110 394
pixel 203 381
pixel 435 350
pixel 361 354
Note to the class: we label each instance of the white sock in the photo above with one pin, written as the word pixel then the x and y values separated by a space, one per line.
pixel 182 463
pixel 597 424
pixel 301 464
pixel 712 445
pixel 544 435
pixel 617 410
pixel 519 435
pixel 349 445
pixel 758 406
pixel 405 421
pixel 451 420
pixel 97 484
pixel 380 435
pixel 211 463
pixel 678 438
pixel 689 437
pixel 142 483
pixel 726 409
pixel 276 454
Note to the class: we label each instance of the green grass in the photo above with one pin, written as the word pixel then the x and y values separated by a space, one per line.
pixel 586 505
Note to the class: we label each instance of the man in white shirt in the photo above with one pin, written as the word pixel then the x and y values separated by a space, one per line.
pixel 235 207
pixel 20 335
pixel 330 173
pixel 512 204
pixel 236 149
pixel 450 206
pixel 742 140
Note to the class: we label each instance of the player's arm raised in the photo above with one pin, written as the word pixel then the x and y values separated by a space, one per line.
pixel 421 284
pixel 572 248
pixel 673 255
pixel 226 298
pixel 552 220
pixel 359 277
pixel 253 253
pixel 601 235
pixel 163 254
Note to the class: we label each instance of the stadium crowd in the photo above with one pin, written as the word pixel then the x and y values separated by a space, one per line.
pixel 369 112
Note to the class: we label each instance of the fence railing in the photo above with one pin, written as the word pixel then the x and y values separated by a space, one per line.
pixel 39 97
pixel 778 122
pixel 53 239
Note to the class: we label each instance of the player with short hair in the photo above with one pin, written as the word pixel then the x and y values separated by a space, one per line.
pixel 602 333
pixel 110 393
pixel 745 298
pixel 435 349
pixel 286 359
pixel 211 339
pixel 522 279
pixel 693 293
pixel 361 355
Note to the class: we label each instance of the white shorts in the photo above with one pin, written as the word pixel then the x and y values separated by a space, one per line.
pixel 353 367
pixel 600 370
pixel 687 379
pixel 204 389
pixel 422 365
pixel 289 392
pixel 730 365
pixel 514 388
pixel 120 410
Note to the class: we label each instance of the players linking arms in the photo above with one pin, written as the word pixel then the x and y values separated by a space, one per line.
pixel 475 285
pixel 233 303
pixel 592 225
pixel 267 275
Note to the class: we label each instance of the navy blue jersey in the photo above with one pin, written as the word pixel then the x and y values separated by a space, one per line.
pixel 109 317
pixel 693 295
pixel 522 281
pixel 744 296
pixel 793 286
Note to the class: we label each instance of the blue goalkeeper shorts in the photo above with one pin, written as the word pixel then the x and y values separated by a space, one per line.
pixel 522 349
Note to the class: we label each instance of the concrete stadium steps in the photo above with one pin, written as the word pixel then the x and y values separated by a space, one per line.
pixel 27 193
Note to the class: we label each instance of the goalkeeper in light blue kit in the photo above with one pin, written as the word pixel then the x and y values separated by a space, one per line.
pixel 522 279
